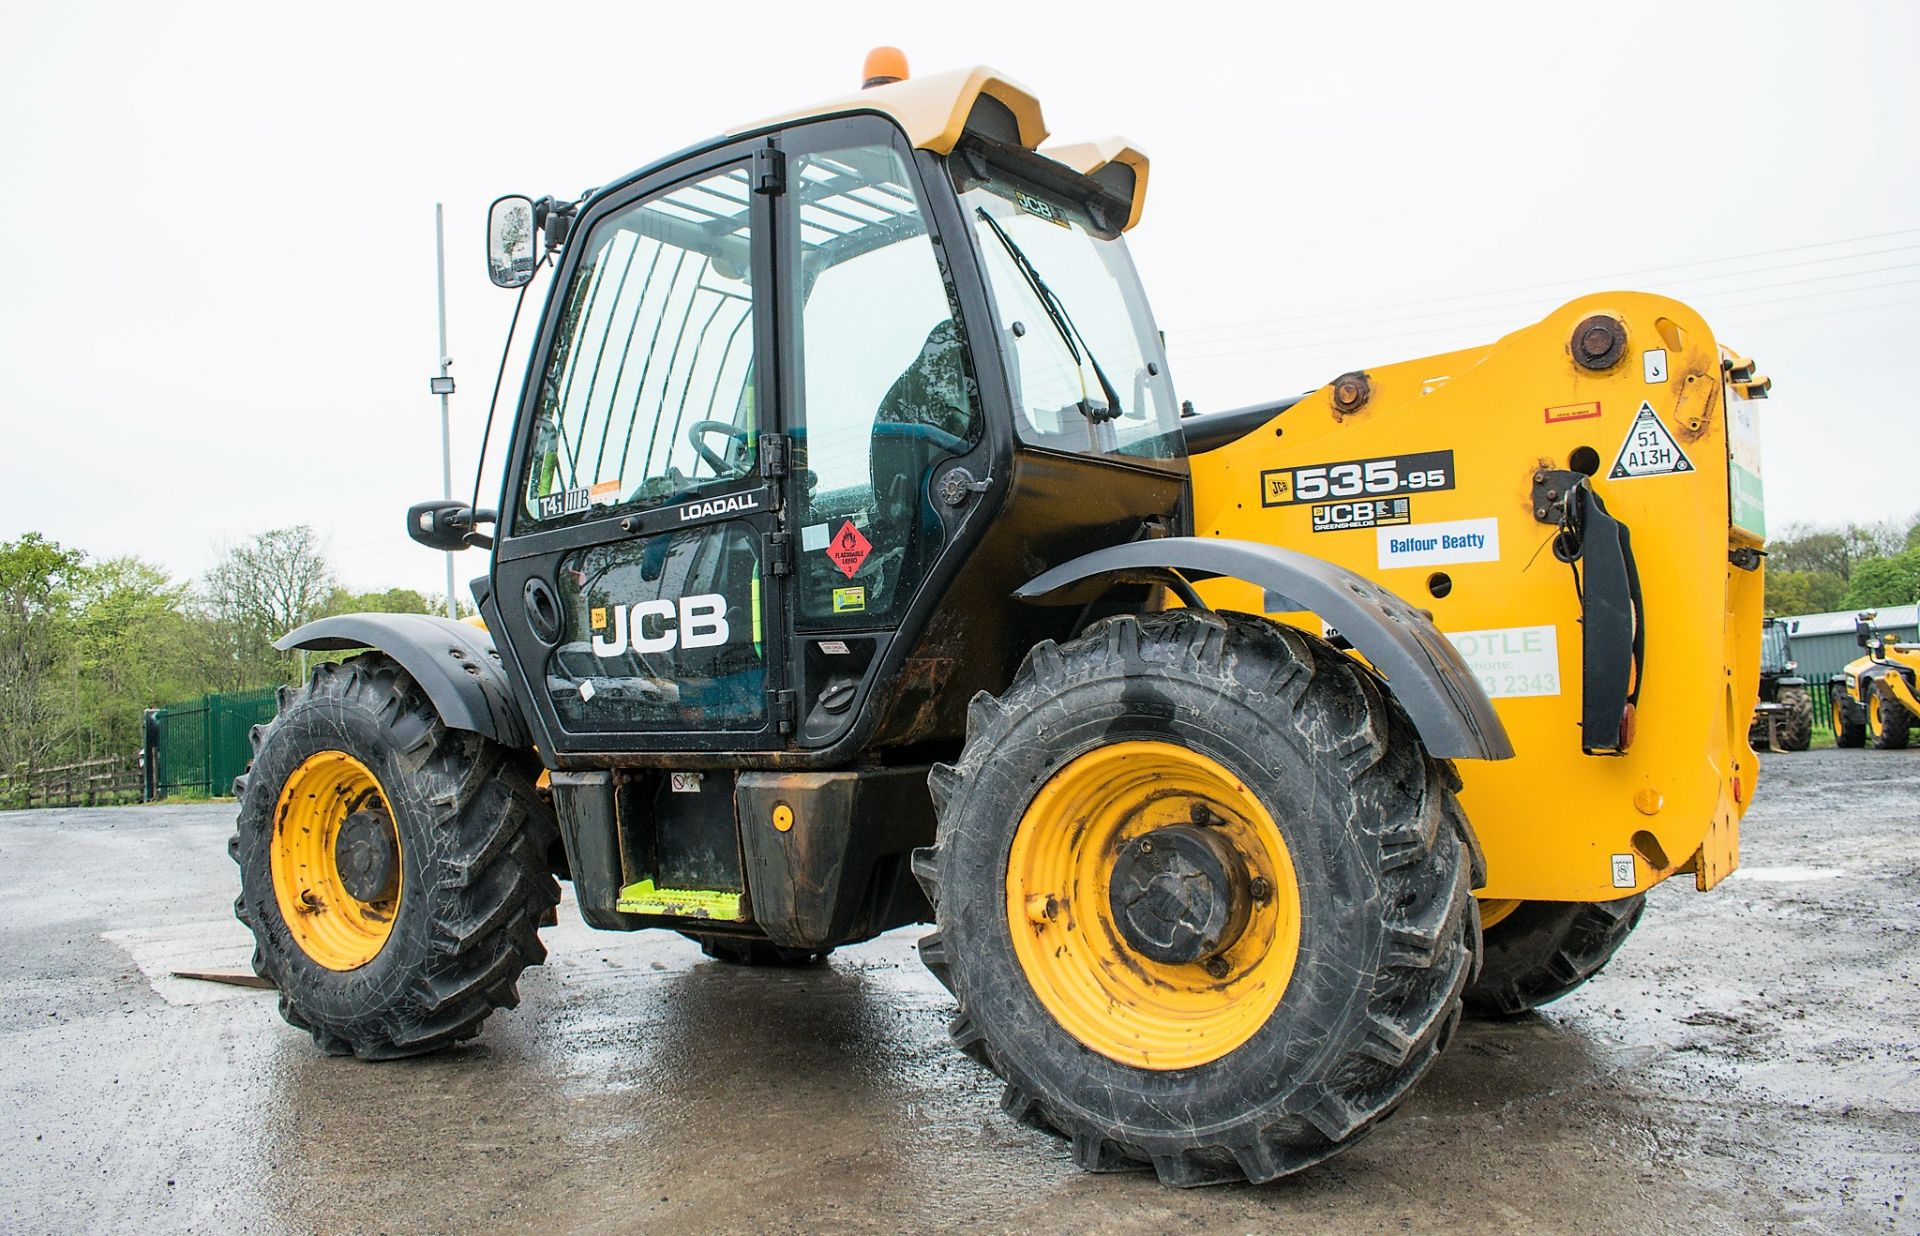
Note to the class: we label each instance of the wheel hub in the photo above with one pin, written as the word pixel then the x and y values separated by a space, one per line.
pixel 367 854
pixel 1178 895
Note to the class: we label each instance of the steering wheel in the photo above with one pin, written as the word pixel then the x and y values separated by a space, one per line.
pixel 696 435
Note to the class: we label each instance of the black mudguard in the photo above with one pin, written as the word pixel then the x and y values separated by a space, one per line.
pixel 1425 672
pixel 454 663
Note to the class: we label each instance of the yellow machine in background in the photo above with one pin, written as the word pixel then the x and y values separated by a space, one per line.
pixel 1875 699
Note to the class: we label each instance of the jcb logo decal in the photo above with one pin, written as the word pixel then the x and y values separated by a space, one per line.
pixel 663 625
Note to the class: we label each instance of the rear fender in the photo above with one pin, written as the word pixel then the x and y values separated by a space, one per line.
pixel 454 663
pixel 1426 674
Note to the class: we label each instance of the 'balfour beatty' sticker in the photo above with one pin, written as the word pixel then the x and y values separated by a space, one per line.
pixel 1511 661
pixel 1650 450
pixel 1440 544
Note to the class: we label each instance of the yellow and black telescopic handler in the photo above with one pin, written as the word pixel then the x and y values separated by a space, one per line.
pixel 855 567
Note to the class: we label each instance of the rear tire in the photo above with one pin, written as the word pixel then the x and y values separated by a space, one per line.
pixel 1796 725
pixel 1544 949
pixel 1845 733
pixel 472 884
pixel 1388 933
pixel 1887 718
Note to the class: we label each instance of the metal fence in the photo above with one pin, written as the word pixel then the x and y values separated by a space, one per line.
pixel 1822 706
pixel 199 747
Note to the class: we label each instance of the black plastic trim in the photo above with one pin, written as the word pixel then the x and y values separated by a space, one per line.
pixel 1212 430
pixel 454 663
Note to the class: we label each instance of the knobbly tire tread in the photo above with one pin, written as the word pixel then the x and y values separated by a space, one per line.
pixel 1545 949
pixel 1796 730
pixel 476 882
pixel 1847 734
pixel 1390 900
pixel 1892 737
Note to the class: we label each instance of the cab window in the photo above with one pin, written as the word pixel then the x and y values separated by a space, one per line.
pixel 888 389
pixel 647 397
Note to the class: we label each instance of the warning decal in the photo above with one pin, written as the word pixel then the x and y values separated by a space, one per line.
pixel 1650 450
pixel 849 549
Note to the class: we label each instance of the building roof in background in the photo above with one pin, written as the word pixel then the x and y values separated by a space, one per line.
pixel 1841 622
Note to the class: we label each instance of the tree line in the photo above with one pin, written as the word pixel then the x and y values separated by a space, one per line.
pixel 1821 568
pixel 86 646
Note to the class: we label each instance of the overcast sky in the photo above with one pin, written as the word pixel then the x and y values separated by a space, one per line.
pixel 219 311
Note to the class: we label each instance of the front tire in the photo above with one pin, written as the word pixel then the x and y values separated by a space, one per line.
pixel 393 871
pixel 1796 727
pixel 1887 718
pixel 1846 733
pixel 1230 737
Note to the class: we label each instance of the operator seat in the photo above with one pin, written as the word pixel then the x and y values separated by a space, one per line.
pixel 926 415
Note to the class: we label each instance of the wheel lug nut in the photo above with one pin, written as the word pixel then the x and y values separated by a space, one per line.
pixel 1216 967
pixel 1260 889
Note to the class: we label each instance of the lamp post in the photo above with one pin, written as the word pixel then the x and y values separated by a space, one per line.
pixel 443 385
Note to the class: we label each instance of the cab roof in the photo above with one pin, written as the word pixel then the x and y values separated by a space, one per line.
pixel 935 111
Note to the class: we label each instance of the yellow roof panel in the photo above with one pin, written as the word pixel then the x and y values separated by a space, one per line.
pixel 932 110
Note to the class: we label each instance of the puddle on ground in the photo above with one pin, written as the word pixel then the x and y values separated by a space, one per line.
pixel 1789 875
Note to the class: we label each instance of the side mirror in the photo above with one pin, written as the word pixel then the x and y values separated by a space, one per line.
pixel 510 242
pixel 448 526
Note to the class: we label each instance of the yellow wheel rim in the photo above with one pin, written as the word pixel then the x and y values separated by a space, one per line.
pixel 1876 718
pixel 1494 909
pixel 1834 708
pixel 331 926
pixel 1075 954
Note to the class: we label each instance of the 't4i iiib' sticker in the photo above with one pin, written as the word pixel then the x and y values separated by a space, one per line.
pixel 1650 450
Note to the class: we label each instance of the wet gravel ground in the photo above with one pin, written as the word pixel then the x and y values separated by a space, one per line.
pixel 1749 1063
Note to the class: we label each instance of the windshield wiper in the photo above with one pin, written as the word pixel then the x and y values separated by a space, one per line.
pixel 1064 324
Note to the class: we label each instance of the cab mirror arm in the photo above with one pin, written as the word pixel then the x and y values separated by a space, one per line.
pixel 448 525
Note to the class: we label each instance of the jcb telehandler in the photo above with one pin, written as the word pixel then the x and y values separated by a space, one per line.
pixel 1877 696
pixel 856 567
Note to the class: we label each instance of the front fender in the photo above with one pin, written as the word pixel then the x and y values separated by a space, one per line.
pixel 454 663
pixel 1426 673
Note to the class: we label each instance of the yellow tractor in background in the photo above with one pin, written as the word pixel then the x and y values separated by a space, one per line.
pixel 856 567
pixel 1876 698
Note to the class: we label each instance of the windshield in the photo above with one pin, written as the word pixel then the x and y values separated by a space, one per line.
pixel 1088 370
pixel 1773 648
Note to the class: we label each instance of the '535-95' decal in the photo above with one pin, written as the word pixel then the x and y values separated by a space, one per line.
pixel 1384 477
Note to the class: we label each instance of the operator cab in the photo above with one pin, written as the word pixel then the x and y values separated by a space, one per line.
pixel 808 403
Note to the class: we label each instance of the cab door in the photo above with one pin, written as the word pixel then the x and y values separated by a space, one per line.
pixel 882 406
pixel 633 579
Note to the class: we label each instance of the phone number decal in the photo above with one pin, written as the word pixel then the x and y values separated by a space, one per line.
pixel 1385 477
